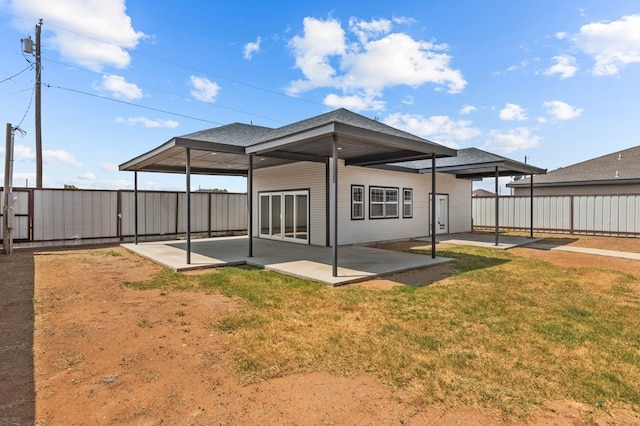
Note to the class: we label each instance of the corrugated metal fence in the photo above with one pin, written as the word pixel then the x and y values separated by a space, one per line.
pixel 613 215
pixel 52 217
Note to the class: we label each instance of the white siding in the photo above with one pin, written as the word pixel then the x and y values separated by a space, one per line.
pixel 312 176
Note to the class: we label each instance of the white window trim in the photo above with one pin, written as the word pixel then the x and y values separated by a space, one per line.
pixel 385 202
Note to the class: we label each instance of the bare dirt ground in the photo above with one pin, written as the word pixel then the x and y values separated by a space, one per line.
pixel 108 354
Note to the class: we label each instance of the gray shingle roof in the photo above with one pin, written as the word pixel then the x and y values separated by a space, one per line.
pixel 618 167
pixel 474 162
pixel 237 134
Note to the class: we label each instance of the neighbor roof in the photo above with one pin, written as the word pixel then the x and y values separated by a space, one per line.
pixel 620 167
pixel 223 150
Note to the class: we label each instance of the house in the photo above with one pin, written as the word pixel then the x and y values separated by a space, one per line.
pixel 336 179
pixel 482 193
pixel 615 173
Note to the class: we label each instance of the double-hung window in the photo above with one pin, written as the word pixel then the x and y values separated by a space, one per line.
pixel 383 202
pixel 357 202
pixel 407 202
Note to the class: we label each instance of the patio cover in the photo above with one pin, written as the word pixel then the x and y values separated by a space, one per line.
pixel 238 149
pixel 473 163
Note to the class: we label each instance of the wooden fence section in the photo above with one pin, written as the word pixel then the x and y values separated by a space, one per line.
pixel 612 215
pixel 53 217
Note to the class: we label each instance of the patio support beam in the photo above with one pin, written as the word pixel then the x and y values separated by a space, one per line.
pixel 433 206
pixel 335 205
pixel 135 207
pixel 497 205
pixel 250 204
pixel 531 202
pixel 327 201
pixel 188 173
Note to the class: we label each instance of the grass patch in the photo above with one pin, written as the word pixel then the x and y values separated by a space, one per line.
pixel 112 253
pixel 505 332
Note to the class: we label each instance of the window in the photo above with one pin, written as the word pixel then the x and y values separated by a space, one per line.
pixel 357 202
pixel 407 202
pixel 383 202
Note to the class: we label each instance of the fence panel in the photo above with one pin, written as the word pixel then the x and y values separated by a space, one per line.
pixel 49 217
pixel 21 215
pixel 617 215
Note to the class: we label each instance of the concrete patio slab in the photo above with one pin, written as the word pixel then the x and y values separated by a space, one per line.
pixel 355 263
pixel 586 250
pixel 484 240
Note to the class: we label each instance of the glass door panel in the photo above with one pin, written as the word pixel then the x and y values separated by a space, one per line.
pixel 289 216
pixel 276 216
pixel 302 215
pixel 264 215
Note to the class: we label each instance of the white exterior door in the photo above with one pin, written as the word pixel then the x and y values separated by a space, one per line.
pixel 442 213
pixel 284 215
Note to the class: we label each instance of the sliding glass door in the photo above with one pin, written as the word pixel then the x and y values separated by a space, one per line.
pixel 284 215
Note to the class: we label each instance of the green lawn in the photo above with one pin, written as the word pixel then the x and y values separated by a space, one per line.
pixel 504 332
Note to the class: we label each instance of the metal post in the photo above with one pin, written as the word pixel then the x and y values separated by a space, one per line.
pixel 38 108
pixel 497 206
pixel 7 209
pixel 135 207
pixel 335 205
pixel 433 206
pixel 531 201
pixel 188 172
pixel 250 204
pixel 327 202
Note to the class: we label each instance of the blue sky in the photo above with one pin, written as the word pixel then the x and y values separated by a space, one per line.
pixel 557 82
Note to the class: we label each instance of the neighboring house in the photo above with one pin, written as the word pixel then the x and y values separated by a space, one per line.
pixel 482 193
pixel 383 177
pixel 615 173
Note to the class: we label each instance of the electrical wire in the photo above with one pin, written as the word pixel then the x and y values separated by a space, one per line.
pixel 167 61
pixel 133 104
pixel 15 75
pixel 216 105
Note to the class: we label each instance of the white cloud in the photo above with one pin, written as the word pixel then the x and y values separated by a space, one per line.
pixel 512 140
pixel 376 59
pixel 408 100
pixel 119 88
pixel 439 128
pixel 203 89
pixel 512 112
pixel 613 45
pixel 366 30
pixel 565 66
pixel 87 176
pixel 148 123
pixel 109 167
pixel 21 152
pixel 354 102
pixel 251 48
pixel 561 35
pixel 61 157
pixel 562 111
pixel 313 50
pixel 97 33
pixel 467 109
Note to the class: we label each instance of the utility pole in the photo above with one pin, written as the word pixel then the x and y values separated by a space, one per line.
pixel 38 108
pixel 7 196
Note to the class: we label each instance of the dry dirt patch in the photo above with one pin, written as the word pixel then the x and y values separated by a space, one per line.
pixel 109 354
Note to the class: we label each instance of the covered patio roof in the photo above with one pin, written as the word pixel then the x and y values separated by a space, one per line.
pixel 471 163
pixel 225 150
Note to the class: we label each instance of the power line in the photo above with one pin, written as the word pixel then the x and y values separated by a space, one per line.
pixel 167 61
pixel 134 104
pixel 15 75
pixel 172 93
